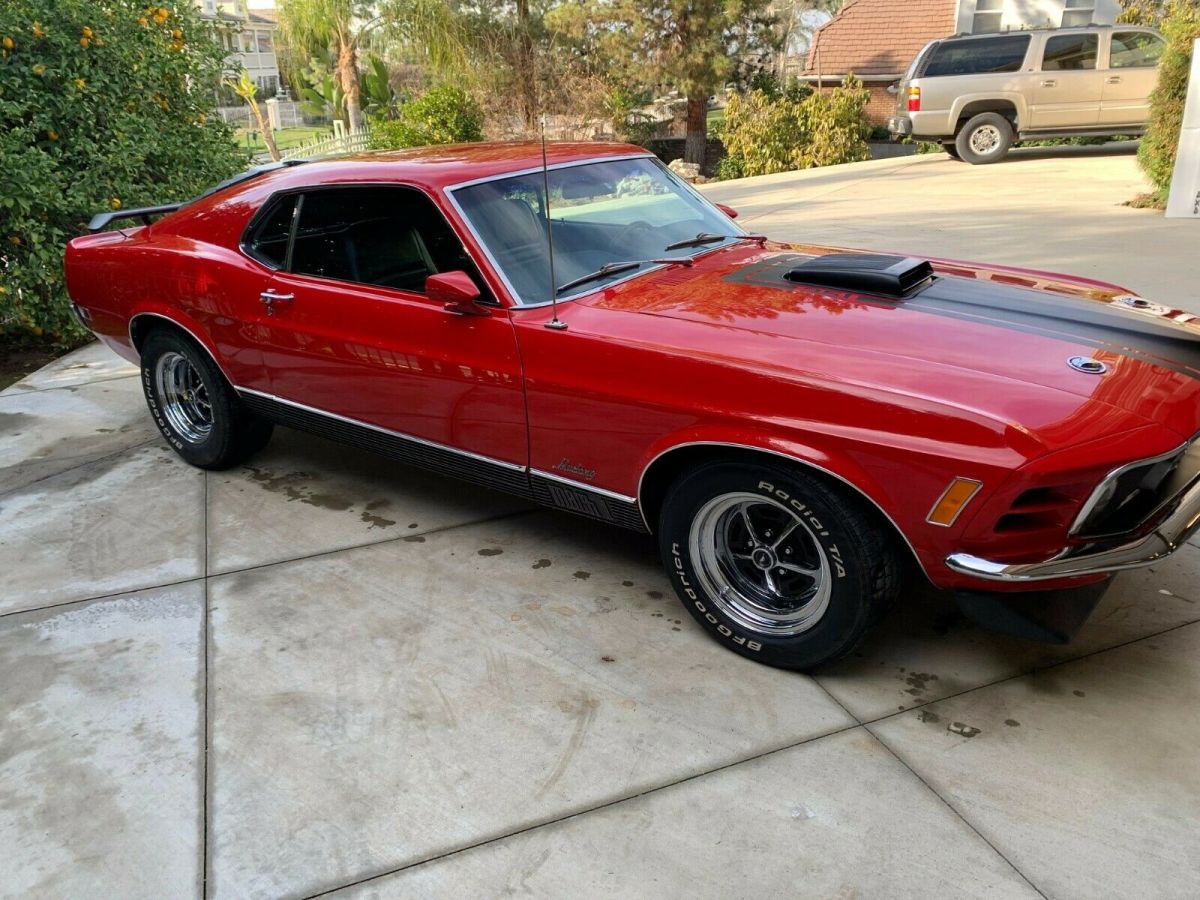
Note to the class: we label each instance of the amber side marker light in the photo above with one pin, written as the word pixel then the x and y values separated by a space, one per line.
pixel 953 500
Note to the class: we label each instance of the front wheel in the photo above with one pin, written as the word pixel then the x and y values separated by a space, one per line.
pixel 194 407
pixel 776 564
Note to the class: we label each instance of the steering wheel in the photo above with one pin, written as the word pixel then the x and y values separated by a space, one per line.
pixel 638 233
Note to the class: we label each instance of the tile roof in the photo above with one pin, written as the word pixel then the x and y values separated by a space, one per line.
pixel 879 37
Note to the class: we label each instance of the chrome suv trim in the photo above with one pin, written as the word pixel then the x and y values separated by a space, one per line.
pixel 1168 537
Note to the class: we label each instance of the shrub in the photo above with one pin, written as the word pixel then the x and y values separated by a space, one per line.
pixel 1160 144
pixel 779 134
pixel 442 115
pixel 102 106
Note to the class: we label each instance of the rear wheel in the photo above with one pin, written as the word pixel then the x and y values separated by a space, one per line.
pixel 776 564
pixel 194 407
pixel 986 138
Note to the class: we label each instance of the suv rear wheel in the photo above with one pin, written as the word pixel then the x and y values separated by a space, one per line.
pixel 777 565
pixel 986 138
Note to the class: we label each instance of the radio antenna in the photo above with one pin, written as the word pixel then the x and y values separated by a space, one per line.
pixel 554 322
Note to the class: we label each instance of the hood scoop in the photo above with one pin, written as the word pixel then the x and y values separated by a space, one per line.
pixel 873 273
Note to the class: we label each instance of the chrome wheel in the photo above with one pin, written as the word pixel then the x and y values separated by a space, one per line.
pixel 986 139
pixel 760 563
pixel 183 397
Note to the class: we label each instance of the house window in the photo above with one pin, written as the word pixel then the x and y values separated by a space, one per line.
pixel 210 7
pixel 989 16
pixel 1078 12
pixel 264 41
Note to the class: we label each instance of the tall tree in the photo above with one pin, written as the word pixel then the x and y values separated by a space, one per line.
pixel 694 45
pixel 339 27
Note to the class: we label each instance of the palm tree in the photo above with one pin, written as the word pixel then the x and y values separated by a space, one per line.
pixel 340 27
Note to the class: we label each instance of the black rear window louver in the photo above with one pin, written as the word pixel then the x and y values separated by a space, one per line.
pixel 895 276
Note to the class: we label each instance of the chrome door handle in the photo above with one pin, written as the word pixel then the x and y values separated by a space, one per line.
pixel 270 298
pixel 1113 79
pixel 1049 84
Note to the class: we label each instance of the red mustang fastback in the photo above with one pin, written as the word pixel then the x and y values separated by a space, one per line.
pixel 797 425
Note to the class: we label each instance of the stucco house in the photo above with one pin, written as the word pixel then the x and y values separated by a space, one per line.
pixel 877 39
pixel 249 35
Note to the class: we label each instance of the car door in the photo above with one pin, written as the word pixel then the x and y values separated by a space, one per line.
pixel 350 332
pixel 1130 77
pixel 1067 92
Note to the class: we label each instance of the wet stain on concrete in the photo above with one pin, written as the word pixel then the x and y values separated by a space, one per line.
pixel 541 564
pixel 926 715
pixel 1079 693
pixel 626 584
pixel 489 551
pixel 607 659
pixel 583 576
pixel 414 524
pixel 377 521
pixel 1011 723
pixel 415 539
pixel 296 486
pixel 654 595
pixel 918 682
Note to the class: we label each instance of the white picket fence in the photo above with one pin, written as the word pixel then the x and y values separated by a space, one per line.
pixel 346 142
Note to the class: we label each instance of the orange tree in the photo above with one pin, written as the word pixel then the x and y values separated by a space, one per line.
pixel 103 105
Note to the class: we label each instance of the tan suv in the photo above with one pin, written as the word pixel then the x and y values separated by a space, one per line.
pixel 978 94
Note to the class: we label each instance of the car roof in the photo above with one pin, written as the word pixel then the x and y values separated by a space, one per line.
pixel 443 166
pixel 1067 30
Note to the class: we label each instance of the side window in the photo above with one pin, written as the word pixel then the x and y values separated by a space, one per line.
pixel 392 237
pixel 1071 52
pixel 978 57
pixel 1135 50
pixel 269 240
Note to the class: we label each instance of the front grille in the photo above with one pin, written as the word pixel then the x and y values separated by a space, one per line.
pixel 1132 496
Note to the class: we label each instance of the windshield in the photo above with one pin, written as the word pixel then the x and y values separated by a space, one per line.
pixel 602 213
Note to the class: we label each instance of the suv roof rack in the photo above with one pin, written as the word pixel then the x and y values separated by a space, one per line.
pixel 100 221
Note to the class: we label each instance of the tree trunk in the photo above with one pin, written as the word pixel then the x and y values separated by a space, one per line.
pixel 348 72
pixel 265 128
pixel 526 69
pixel 696 143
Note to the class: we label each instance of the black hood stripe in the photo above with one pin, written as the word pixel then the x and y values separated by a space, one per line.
pixel 1096 324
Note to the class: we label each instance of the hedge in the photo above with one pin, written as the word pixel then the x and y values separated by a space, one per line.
pixel 1160 144
pixel 101 107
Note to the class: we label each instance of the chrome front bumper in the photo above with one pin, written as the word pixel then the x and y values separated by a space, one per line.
pixel 1171 534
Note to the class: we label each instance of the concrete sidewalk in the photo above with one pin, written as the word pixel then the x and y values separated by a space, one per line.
pixel 326 673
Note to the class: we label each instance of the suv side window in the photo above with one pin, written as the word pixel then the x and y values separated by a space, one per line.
pixel 1135 50
pixel 1071 52
pixel 392 237
pixel 978 56
pixel 268 242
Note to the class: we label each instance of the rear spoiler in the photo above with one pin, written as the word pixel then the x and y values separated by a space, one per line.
pixel 100 221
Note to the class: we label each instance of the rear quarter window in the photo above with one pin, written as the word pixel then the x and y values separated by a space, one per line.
pixel 1071 53
pixel 983 56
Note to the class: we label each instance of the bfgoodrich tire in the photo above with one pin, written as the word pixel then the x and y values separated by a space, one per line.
pixel 194 407
pixel 985 139
pixel 778 565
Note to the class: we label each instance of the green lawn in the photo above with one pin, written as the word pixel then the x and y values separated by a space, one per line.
pixel 285 138
pixel 714 116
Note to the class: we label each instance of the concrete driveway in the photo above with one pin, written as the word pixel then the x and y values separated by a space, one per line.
pixel 326 673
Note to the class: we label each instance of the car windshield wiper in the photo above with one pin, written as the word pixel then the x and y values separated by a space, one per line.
pixel 615 268
pixel 706 237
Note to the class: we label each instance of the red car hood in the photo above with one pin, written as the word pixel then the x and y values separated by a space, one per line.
pixel 977 338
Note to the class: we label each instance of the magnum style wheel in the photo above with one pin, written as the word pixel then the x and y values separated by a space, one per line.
pixel 776 564
pixel 194 407
pixel 986 138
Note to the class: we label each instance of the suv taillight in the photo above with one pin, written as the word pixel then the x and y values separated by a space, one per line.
pixel 914 99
